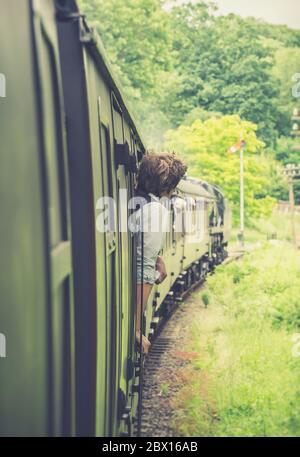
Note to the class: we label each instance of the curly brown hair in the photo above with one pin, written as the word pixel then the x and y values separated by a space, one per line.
pixel 160 173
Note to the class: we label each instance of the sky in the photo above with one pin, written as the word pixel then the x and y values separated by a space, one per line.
pixel 274 11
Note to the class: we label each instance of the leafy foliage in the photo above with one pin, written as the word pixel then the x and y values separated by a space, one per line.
pixel 281 34
pixel 171 62
pixel 205 146
pixel 225 67
pixel 137 37
pixel 287 64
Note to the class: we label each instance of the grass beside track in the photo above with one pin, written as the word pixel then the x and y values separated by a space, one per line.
pixel 245 378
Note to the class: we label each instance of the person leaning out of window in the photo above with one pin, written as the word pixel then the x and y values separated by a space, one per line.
pixel 158 177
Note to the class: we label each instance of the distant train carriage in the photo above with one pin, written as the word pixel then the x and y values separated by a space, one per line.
pixel 67 296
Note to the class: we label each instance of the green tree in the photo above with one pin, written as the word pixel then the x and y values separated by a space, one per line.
pixel 205 144
pixel 281 34
pixel 137 37
pixel 287 64
pixel 225 67
pixel 173 63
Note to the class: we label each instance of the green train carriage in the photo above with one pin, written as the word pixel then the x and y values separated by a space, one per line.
pixel 67 295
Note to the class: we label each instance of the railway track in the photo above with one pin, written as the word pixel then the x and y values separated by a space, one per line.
pixel 165 363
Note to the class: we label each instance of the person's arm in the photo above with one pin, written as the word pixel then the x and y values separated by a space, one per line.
pixel 139 310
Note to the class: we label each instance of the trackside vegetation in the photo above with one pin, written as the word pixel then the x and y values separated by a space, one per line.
pixel 205 144
pixel 245 380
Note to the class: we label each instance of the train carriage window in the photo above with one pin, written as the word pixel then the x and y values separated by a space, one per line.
pixel 190 216
pixel 194 217
pixel 178 213
pixel 106 162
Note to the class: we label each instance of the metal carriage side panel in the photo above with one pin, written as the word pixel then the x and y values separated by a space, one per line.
pixel 128 267
pixel 98 104
pixel 83 219
pixel 122 143
pixel 196 239
pixel 177 237
pixel 57 217
pixel 25 406
pixel 104 130
pixel 124 147
pixel 227 221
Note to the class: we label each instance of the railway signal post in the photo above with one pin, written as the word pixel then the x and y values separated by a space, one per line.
pixel 240 146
